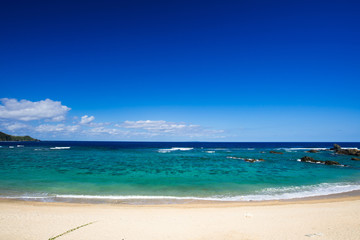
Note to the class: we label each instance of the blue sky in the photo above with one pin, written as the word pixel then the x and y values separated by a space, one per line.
pixel 181 70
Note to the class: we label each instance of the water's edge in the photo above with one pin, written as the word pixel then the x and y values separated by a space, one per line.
pixel 351 195
pixel 323 191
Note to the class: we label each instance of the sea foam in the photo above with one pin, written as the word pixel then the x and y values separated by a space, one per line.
pixel 59 148
pixel 267 194
pixel 319 149
pixel 174 149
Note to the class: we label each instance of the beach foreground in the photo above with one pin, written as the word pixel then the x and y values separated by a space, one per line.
pixel 314 219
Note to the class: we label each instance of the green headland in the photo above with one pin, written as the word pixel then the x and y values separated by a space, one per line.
pixel 6 137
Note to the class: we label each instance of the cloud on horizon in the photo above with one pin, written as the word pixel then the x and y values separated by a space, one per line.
pixel 25 110
pixel 15 126
pixel 162 127
pixel 33 118
pixel 62 128
pixel 155 126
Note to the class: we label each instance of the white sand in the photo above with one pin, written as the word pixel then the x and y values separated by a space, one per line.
pixel 326 219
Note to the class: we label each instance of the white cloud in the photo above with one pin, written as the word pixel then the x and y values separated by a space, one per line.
pixel 165 128
pixel 86 119
pixel 15 126
pixel 25 110
pixel 119 133
pixel 99 130
pixel 13 111
pixel 160 125
pixel 60 128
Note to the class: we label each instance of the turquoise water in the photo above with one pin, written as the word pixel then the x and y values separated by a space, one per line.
pixel 209 171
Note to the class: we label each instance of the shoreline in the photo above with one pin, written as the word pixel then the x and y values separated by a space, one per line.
pixel 338 197
pixel 327 218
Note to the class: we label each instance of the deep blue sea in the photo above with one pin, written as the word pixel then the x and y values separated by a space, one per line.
pixel 136 172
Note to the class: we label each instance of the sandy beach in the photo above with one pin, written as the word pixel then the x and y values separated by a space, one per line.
pixel 332 218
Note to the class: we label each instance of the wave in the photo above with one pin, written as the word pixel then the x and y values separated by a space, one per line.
pixel 294 149
pixel 295 192
pixel 235 157
pixel 267 194
pixel 220 149
pixel 166 150
pixel 59 148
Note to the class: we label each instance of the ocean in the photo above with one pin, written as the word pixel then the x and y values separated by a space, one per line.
pixel 171 172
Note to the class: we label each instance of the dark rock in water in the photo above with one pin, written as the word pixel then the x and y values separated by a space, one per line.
pixel 331 163
pixel 339 150
pixel 254 160
pixel 311 160
pixel 307 159
pixel 249 160
pixel 274 152
pixel 355 159
pixel 353 152
pixel 336 147
pixel 312 151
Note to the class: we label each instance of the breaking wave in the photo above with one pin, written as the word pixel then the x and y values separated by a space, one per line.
pixel 166 150
pixel 280 193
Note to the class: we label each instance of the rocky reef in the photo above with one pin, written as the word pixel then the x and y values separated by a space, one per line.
pixel 312 151
pixel 311 160
pixel 352 151
pixel 274 152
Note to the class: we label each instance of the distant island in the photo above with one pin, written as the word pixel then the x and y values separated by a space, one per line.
pixel 6 137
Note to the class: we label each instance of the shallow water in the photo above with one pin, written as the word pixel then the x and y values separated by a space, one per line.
pixel 137 172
